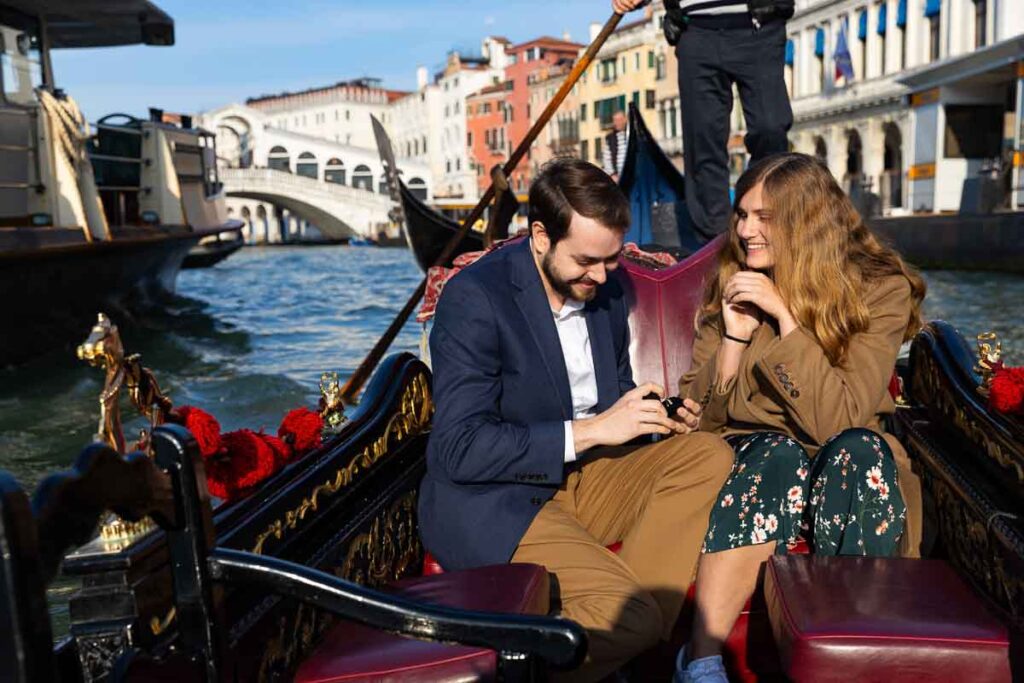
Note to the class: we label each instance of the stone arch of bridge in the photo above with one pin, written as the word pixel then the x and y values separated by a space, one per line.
pixel 328 223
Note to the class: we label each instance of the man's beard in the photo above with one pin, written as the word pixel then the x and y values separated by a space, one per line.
pixel 561 285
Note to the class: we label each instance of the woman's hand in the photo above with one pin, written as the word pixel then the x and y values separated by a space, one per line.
pixel 689 414
pixel 741 319
pixel 756 289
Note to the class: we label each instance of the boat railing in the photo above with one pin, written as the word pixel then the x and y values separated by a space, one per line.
pixel 117 159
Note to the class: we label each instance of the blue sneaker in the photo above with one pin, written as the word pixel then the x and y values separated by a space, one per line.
pixel 703 670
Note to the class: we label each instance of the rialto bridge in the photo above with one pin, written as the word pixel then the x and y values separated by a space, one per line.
pixel 281 183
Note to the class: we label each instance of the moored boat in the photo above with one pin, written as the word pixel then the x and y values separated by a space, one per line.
pixel 90 221
pixel 212 250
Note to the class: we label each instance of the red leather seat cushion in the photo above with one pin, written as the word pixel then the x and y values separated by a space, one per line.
pixel 353 652
pixel 880 619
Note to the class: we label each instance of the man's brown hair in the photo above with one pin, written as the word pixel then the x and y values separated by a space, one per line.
pixel 567 185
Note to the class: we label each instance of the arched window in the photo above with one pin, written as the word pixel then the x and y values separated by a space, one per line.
pixel 247 228
pixel 307 166
pixel 334 172
pixel 362 178
pixel 418 188
pixel 278 159
pixel 821 150
pixel 854 161
pixel 892 167
pixel 263 223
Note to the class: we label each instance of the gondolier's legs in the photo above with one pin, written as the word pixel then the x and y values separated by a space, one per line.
pixel 710 61
pixel 705 98
pixel 656 501
pixel 758 72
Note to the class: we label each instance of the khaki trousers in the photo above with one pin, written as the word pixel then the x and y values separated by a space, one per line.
pixel 656 501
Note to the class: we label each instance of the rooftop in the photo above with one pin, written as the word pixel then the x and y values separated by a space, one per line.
pixel 357 88
pixel 547 41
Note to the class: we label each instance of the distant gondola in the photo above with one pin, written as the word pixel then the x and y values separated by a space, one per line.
pixel 657 194
pixel 426 230
pixel 653 184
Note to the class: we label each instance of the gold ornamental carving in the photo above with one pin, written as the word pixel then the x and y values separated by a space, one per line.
pixel 971 546
pixel 929 378
pixel 990 351
pixel 331 407
pixel 103 349
pixel 413 417
pixel 294 640
pixel 389 550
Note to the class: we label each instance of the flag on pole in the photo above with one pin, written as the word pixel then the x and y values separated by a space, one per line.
pixel 841 56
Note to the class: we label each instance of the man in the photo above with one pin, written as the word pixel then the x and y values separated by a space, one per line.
pixel 615 143
pixel 530 351
pixel 719 43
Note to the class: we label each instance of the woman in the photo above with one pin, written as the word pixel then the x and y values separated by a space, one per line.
pixel 797 340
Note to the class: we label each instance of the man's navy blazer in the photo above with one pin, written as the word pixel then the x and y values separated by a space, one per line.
pixel 501 390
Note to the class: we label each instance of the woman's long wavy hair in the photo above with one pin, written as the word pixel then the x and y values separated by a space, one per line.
pixel 824 255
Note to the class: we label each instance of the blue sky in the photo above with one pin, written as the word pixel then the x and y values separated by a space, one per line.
pixel 227 50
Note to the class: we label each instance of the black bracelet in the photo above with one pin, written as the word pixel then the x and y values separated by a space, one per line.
pixel 737 339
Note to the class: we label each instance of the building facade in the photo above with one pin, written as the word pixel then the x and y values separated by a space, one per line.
pixel 624 71
pixel 561 137
pixel 488 141
pixel 462 76
pixel 414 126
pixel 934 98
pixel 527 63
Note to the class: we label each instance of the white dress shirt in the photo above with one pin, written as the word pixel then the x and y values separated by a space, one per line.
pixel 574 338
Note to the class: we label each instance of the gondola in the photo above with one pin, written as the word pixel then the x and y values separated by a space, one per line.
pixel 427 232
pixel 657 194
pixel 653 184
pixel 317 572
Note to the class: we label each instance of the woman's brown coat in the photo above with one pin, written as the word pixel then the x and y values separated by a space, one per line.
pixel 788 385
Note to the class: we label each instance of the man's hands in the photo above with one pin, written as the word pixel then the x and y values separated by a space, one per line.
pixel 632 416
pixel 624 6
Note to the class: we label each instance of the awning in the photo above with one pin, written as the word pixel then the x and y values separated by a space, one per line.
pixel 987 66
pixel 932 8
pixel 92 23
pixel 901 14
pixel 789 52
pixel 819 42
pixel 883 16
pixel 862 25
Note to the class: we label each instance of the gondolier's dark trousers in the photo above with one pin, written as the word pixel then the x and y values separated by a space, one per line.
pixel 711 59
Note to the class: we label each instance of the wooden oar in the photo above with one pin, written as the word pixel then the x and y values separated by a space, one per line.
pixel 362 373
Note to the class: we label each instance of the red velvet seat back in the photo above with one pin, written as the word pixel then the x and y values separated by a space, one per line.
pixel 662 305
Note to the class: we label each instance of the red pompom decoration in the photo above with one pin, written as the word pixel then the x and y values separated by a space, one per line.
pixel 1006 391
pixel 282 451
pixel 245 460
pixel 301 429
pixel 203 426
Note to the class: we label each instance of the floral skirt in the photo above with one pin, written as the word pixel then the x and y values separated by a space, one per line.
pixel 846 502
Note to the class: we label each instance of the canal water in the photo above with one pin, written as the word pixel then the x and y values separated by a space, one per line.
pixel 248 339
